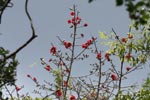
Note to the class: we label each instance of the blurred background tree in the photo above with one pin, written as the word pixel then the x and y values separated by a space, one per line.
pixel 137 10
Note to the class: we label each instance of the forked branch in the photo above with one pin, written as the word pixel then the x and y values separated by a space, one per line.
pixel 30 39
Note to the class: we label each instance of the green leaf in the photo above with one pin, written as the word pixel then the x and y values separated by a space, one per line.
pixel 119 2
pixel 139 4
pixel 103 35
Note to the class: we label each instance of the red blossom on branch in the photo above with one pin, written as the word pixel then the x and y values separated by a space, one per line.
pixel 48 68
pixel 84 45
pixel 107 56
pixel 72 97
pixel 34 79
pixel 128 68
pixel 69 21
pixel 18 88
pixel 28 75
pixel 87 43
pixel 67 44
pixel 85 25
pixel 72 13
pixel 98 56
pixel 58 93
pixel 114 76
pixel 53 50
pixel 124 40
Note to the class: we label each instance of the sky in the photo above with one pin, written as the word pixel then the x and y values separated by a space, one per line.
pixel 50 20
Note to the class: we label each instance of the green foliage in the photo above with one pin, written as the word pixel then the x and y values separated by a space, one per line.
pixel 142 94
pixel 137 10
pixel 119 2
pixel 7 69
pixel 136 43
pixel 2 4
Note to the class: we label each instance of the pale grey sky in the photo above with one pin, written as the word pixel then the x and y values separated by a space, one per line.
pixel 50 20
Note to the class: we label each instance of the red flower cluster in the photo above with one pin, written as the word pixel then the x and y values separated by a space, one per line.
pixel 113 76
pixel 53 50
pixel 75 20
pixel 72 97
pixel 58 93
pixel 67 44
pixel 48 68
pixel 87 43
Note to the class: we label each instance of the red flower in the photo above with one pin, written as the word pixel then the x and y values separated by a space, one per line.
pixel 72 97
pixel 128 68
pixel 34 79
pixel 69 21
pixel 67 44
pixel 53 50
pixel 72 13
pixel 107 56
pixel 78 20
pixel 58 93
pixel 73 20
pixel 89 42
pixel 98 56
pixel 128 56
pixel 113 76
pixel 28 75
pixel 82 35
pixel 124 40
pixel 85 25
pixel 48 68
pixel 84 46
pixel 18 88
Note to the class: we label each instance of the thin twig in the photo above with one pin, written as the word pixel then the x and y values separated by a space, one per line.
pixel 72 54
pixel 8 92
pixel 121 75
pixel 117 37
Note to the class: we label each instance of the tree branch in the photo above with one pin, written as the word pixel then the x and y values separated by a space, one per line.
pixel 30 39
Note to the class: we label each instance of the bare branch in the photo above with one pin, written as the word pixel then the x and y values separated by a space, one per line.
pixel 30 39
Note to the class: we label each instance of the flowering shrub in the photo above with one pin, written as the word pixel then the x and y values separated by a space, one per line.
pixel 107 82
pixel 104 80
